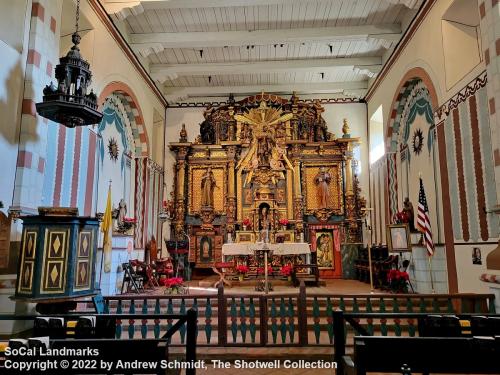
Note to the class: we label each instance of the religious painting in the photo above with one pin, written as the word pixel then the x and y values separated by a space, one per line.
pixel 323 187
pixel 280 196
pixel 476 256
pixel 248 197
pixel 324 249
pixel 205 249
pixel 398 237
pixel 245 237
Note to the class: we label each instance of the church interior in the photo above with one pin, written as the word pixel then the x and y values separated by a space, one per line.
pixel 231 179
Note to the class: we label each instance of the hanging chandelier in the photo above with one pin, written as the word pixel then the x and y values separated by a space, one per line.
pixel 68 103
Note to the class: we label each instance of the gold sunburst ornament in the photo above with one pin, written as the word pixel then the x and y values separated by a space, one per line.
pixel 263 148
pixel 418 141
pixel 113 149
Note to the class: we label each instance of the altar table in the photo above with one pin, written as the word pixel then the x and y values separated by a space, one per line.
pixel 277 248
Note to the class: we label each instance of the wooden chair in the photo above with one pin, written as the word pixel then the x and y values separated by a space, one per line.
pixel 221 269
pixel 132 279
pixel 151 277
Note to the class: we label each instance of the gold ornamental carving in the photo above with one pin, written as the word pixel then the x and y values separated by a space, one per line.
pixel 266 154
pixel 196 174
pixel 313 200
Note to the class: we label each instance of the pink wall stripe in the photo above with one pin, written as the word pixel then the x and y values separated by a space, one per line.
pixel 90 174
pixel 76 166
pixel 476 149
pixel 146 200
pixel 59 165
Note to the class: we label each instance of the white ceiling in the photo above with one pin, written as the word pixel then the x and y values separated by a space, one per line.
pixel 197 49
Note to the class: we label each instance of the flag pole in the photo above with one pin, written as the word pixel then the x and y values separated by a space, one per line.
pixel 430 273
pixel 429 257
pixel 102 252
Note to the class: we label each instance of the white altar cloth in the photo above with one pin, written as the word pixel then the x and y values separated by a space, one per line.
pixel 277 248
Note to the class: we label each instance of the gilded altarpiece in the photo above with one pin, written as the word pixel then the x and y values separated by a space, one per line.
pixel 263 169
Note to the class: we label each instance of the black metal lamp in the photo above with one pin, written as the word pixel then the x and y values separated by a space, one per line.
pixel 69 103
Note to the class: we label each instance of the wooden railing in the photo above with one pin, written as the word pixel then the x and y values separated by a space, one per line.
pixel 288 319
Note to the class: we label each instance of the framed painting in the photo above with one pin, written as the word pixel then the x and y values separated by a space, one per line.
pixel 245 237
pixel 398 237
pixel 205 249
pixel 324 249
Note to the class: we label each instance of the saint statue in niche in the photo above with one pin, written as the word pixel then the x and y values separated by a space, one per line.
pixel 410 213
pixel 208 184
pixel 322 180
pixel 122 211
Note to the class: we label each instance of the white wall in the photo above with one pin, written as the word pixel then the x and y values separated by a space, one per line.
pixel 13 52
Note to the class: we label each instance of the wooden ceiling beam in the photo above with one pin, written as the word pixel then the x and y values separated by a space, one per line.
pixel 147 43
pixel 361 65
pixel 354 88
pixel 122 9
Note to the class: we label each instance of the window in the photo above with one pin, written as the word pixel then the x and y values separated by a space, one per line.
pixel 461 40
pixel 376 134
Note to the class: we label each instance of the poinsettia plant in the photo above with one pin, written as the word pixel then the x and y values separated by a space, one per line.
pixel 401 217
pixel 398 281
pixel 286 270
pixel 284 221
pixel 247 222
pixel 242 269
pixel 269 269
pixel 172 281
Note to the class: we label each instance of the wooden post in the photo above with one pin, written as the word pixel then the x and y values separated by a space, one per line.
pixel 338 339
pixel 221 315
pixel 192 317
pixel 302 312
pixel 263 319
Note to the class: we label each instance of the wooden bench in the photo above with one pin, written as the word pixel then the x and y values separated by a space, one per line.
pixel 424 355
pixel 112 349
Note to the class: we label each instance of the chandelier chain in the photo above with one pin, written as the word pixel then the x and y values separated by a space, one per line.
pixel 77 14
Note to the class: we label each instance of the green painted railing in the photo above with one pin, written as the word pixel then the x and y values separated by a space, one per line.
pixel 291 319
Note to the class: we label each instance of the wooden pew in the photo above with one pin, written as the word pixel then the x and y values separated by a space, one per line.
pixel 424 355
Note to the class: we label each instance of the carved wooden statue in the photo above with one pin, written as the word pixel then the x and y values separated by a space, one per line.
pixel 322 180
pixel 208 184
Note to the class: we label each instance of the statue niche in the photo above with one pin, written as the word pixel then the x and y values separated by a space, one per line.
pixel 207 132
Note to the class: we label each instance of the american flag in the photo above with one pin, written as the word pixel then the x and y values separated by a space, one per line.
pixel 423 221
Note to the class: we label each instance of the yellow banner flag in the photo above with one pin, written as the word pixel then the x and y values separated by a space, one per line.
pixel 106 228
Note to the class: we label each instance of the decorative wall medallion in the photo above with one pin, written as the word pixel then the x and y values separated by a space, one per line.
pixel 418 141
pixel 113 149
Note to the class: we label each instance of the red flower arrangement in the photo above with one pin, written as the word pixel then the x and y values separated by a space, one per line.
pixel 246 222
pixel 261 269
pixel 284 221
pixel 398 281
pixel 242 269
pixel 286 270
pixel 171 282
pixel 401 217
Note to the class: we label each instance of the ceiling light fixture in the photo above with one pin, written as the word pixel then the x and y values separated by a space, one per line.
pixel 68 103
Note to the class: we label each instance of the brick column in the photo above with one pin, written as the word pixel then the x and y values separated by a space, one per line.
pixel 43 55
pixel 489 11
